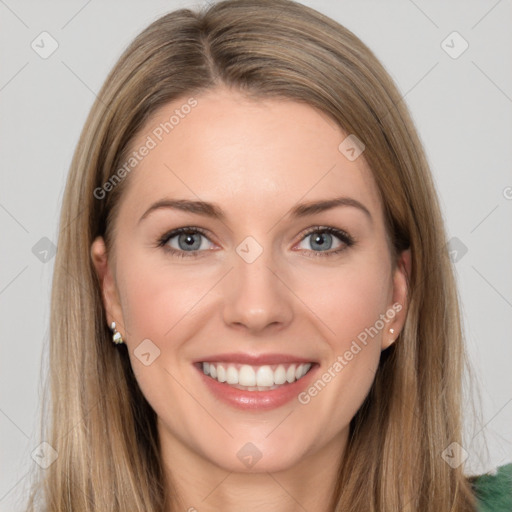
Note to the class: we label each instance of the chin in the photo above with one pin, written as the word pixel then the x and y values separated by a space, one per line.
pixel 252 456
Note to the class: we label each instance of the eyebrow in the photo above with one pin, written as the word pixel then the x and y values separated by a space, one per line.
pixel 214 211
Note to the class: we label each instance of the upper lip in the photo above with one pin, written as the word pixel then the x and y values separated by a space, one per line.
pixel 254 360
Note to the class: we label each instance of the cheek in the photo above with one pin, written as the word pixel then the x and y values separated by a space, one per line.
pixel 350 301
pixel 159 304
pixel 353 303
pixel 155 299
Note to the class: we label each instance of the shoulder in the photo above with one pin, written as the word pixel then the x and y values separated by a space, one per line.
pixel 493 490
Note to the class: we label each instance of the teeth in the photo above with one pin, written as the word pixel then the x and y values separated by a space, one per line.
pixel 264 376
pixel 280 375
pixel 255 378
pixel 231 375
pixel 221 373
pixel 247 376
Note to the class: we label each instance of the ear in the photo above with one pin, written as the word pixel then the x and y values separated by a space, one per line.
pixel 399 302
pixel 108 285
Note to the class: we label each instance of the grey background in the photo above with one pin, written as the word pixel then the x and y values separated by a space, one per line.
pixel 462 108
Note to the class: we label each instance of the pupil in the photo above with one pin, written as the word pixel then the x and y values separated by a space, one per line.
pixel 189 242
pixel 320 241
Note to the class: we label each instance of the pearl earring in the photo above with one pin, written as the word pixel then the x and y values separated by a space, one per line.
pixel 392 331
pixel 116 336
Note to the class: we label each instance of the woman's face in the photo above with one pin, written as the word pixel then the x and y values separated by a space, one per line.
pixel 262 285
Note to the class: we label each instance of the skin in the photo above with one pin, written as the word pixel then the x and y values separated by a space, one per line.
pixel 256 160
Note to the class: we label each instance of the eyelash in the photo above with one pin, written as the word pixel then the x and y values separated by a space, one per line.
pixel 342 235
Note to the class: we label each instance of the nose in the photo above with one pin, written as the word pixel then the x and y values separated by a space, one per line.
pixel 257 298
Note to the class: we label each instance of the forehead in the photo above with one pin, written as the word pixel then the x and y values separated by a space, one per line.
pixel 258 156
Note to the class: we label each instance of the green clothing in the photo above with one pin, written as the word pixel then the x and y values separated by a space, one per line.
pixel 494 491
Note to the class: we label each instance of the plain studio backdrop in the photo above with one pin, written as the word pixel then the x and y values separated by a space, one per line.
pixel 452 64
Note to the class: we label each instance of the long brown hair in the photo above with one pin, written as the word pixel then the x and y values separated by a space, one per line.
pixel 97 413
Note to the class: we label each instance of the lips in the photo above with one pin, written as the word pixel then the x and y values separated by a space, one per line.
pixel 256 382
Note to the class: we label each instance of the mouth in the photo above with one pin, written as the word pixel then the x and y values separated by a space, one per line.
pixel 247 377
pixel 256 384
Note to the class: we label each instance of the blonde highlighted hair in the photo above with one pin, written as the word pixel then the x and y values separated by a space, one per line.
pixel 97 413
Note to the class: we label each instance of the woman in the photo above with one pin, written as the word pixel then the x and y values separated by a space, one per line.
pixel 207 353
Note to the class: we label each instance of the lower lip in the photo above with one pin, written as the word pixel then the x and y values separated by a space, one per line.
pixel 257 400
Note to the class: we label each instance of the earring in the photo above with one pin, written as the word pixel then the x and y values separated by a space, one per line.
pixel 116 336
pixel 392 331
